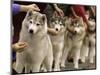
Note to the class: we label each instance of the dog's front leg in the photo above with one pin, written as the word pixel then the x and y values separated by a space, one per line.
pixel 43 68
pixel 64 56
pixel 84 52
pixel 19 67
pixel 27 68
pixel 91 54
pixel 57 61
pixel 85 49
pixel 91 49
pixel 76 57
pixel 48 61
pixel 36 67
pixel 57 56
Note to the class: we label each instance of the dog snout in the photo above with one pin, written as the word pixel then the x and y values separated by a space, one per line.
pixel 75 31
pixel 57 29
pixel 31 31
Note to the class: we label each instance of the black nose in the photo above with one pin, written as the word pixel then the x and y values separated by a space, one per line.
pixel 31 31
pixel 56 29
pixel 75 31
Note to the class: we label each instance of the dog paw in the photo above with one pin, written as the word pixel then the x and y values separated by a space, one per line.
pixel 91 61
pixel 56 69
pixel 62 65
pixel 76 67
pixel 81 61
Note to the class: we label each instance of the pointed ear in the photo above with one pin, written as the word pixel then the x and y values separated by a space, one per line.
pixel 67 20
pixel 29 13
pixel 52 19
pixel 44 18
pixel 55 14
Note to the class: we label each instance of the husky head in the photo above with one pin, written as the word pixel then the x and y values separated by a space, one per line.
pixel 58 23
pixel 35 22
pixel 92 25
pixel 77 26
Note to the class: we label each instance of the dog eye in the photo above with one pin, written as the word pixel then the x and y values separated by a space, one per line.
pixel 37 24
pixel 61 24
pixel 78 25
pixel 55 22
pixel 31 22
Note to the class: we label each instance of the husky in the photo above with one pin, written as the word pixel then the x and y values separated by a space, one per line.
pixel 85 49
pixel 39 50
pixel 88 48
pixel 92 40
pixel 57 23
pixel 73 41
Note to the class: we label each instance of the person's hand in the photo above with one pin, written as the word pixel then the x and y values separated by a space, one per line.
pixel 60 12
pixel 19 47
pixel 33 7
pixel 25 8
pixel 52 31
pixel 71 29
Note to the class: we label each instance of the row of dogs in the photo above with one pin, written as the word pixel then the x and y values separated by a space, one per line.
pixel 46 50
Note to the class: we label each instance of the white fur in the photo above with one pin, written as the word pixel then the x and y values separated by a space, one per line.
pixel 73 42
pixel 39 50
pixel 92 48
pixel 58 44
pixel 88 52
